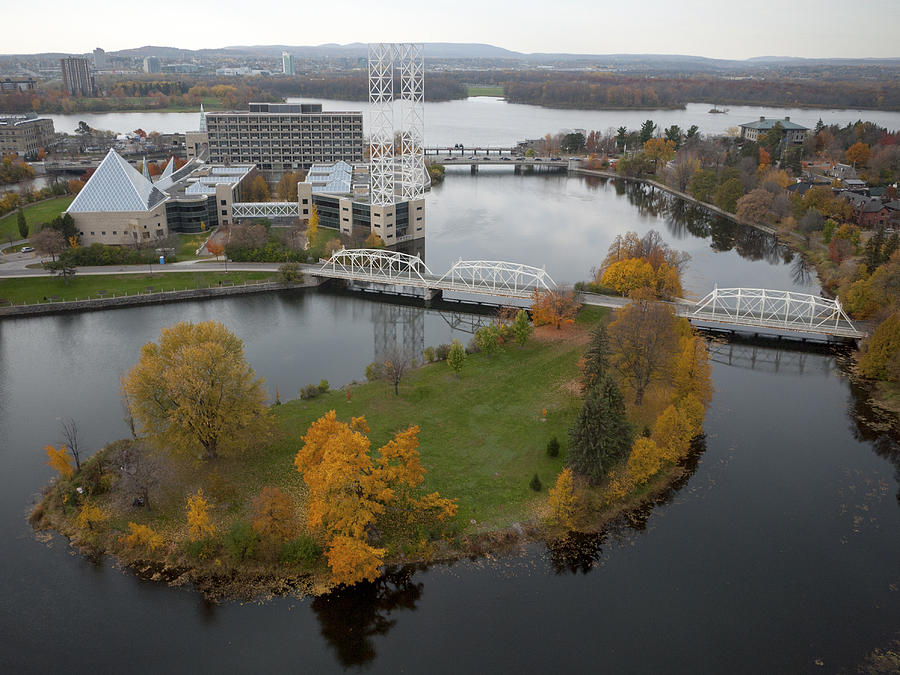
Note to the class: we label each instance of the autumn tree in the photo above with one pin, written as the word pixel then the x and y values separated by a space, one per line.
pixel 692 373
pixel 553 308
pixel 58 459
pixel 728 193
pixel 858 154
pixel 49 241
pixel 257 190
pixel 350 488
pixel 194 391
pixel 287 186
pixel 91 516
pixel 644 339
pixel 373 241
pixel 312 226
pixel 562 499
pixel 755 206
pixel 215 248
pixel 601 435
pixel 659 150
pixel 880 357
pixel 644 461
pixel 274 516
pixel 702 185
pixel 199 524
pixel 142 538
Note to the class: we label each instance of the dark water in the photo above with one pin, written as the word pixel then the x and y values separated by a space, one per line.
pixel 779 548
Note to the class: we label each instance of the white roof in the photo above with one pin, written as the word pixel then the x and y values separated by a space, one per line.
pixel 116 186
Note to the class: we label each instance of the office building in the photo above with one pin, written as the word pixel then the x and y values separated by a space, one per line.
pixel 25 134
pixel 120 206
pixel 151 65
pixel 101 61
pixel 794 134
pixel 77 78
pixel 287 63
pixel 282 137
pixel 16 84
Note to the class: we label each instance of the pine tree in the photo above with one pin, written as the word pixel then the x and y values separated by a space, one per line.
pixel 596 358
pixel 601 436
pixel 22 223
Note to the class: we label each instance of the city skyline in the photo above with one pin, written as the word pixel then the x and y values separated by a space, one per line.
pixel 826 29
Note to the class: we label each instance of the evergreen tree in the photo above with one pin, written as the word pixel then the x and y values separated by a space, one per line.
pixel 873 251
pixel 601 436
pixel 647 129
pixel 23 225
pixel 596 358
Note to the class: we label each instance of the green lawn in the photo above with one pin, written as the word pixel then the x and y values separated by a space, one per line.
pixel 482 434
pixel 485 91
pixel 35 289
pixel 35 215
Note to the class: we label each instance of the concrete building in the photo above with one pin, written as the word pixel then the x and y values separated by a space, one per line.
pixel 25 134
pixel 151 65
pixel 101 61
pixel 281 137
pixel 77 78
pixel 120 206
pixel 794 134
pixel 287 63
pixel 11 84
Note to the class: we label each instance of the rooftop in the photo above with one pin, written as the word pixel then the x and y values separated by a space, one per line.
pixel 116 186
pixel 766 123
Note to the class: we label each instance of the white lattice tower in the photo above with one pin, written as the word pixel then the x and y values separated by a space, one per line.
pixel 381 124
pixel 411 67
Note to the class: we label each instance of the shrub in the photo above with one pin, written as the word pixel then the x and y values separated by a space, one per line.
pixel 535 483
pixel 302 550
pixel 553 447
pixel 488 339
pixel 290 273
pixel 374 371
pixel 429 354
pixel 240 541
pixel 442 352
pixel 456 358
pixel 323 386
pixel 310 391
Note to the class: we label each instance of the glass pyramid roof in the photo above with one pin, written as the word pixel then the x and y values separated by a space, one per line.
pixel 116 186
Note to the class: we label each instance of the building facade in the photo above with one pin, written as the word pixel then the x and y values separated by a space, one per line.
pixel 25 134
pixel 794 134
pixel 101 62
pixel 11 84
pixel 77 78
pixel 152 65
pixel 287 63
pixel 284 137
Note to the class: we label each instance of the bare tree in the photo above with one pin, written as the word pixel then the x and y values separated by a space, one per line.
pixel 49 241
pixel 397 364
pixel 70 440
pixel 127 408
pixel 644 340
pixel 141 470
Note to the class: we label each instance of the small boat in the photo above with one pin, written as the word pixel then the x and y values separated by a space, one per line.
pixel 718 111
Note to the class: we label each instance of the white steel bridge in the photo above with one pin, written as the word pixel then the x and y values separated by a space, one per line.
pixel 746 308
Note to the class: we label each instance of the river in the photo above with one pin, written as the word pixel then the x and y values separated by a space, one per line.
pixel 487 120
pixel 779 550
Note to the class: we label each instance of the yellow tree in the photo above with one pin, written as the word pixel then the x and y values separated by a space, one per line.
pixel 349 489
pixel 627 275
pixel 562 499
pixel 90 516
pixel 312 226
pixel 274 516
pixel 659 150
pixel 59 459
pixel 553 308
pixel 644 461
pixel 199 524
pixel 142 538
pixel 194 391
pixel 692 372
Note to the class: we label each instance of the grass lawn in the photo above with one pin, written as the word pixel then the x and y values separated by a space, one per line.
pixel 189 243
pixel 485 91
pixel 35 215
pixel 34 289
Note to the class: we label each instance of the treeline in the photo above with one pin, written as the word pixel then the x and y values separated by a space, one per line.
pixel 355 87
pixel 602 90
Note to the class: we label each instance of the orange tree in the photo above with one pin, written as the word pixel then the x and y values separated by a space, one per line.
pixel 352 489
pixel 553 308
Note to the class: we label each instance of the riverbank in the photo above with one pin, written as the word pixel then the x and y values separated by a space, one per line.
pixel 485 454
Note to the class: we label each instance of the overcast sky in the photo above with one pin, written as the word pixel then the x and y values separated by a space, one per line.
pixel 714 28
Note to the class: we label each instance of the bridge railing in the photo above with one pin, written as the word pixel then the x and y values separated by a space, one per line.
pixel 496 276
pixel 364 264
pixel 265 209
pixel 768 308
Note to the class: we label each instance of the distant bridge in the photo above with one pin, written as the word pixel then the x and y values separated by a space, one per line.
pixel 492 150
pixel 747 308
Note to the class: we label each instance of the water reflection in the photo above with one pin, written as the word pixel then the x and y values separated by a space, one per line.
pixel 398 329
pixel 787 358
pixel 349 618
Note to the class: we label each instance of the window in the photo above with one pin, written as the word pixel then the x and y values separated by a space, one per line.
pixel 223 202
pixel 103 233
pixel 92 234
pixel 115 233
pixel 224 212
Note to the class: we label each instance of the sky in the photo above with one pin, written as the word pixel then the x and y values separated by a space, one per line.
pixel 712 28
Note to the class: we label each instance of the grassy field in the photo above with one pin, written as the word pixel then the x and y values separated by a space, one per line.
pixel 485 91
pixel 35 216
pixel 36 289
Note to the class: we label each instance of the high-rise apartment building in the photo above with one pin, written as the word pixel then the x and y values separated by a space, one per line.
pixel 152 65
pixel 287 63
pixel 282 137
pixel 101 61
pixel 77 78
